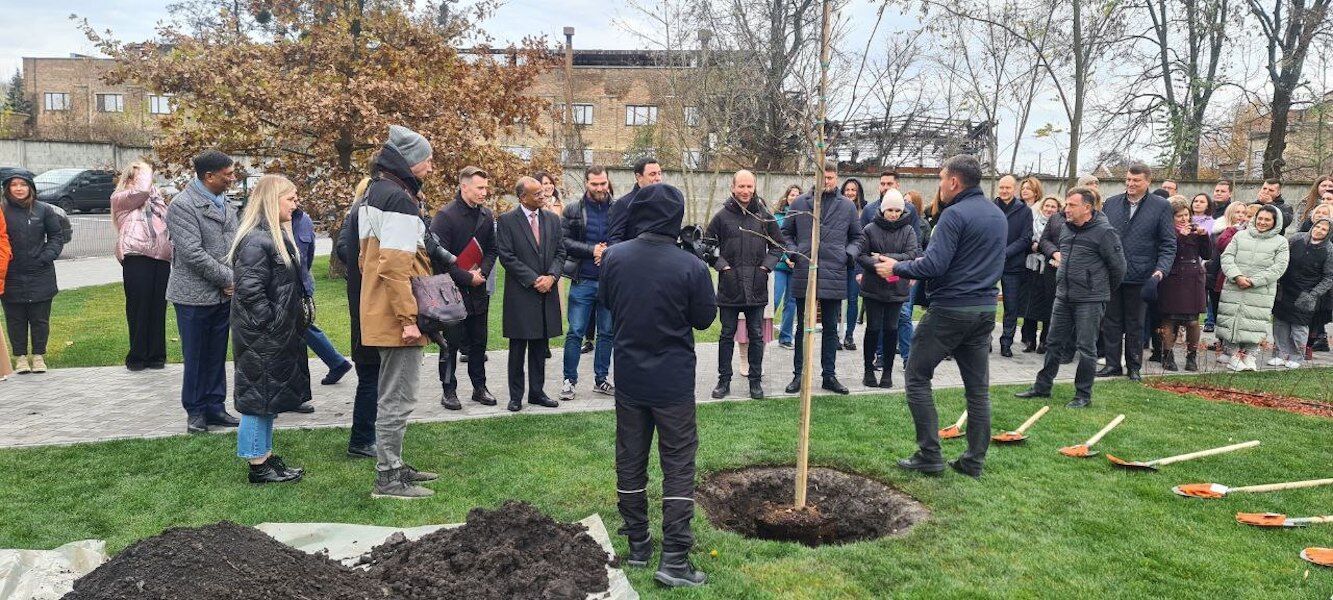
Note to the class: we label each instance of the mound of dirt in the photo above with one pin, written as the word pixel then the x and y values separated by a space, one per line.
pixel 223 561
pixel 844 508
pixel 513 551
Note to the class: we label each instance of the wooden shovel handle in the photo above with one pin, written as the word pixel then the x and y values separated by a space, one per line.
pixel 962 419
pixel 1032 419
pixel 1202 453
pixel 1290 485
pixel 1327 519
pixel 1105 430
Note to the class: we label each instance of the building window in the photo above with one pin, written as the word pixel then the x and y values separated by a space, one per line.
pixel 640 115
pixel 56 101
pixel 523 152
pixel 159 105
pixel 582 113
pixel 692 116
pixel 109 103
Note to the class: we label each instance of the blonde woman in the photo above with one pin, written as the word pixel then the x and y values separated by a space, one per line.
pixel 1030 191
pixel 139 213
pixel 269 316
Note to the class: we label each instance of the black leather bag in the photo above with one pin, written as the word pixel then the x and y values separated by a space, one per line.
pixel 439 303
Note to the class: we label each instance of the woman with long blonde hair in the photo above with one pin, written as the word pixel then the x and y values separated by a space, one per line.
pixel 269 317
pixel 139 213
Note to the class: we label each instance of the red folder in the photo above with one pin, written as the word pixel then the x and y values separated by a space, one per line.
pixel 471 256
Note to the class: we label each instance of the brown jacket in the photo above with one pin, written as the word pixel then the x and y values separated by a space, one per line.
pixel 393 251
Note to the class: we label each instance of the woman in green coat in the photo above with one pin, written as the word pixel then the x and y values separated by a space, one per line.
pixel 1252 264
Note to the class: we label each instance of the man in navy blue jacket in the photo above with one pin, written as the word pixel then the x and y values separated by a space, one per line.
pixel 658 294
pixel 1148 234
pixel 646 173
pixel 961 266
pixel 1017 246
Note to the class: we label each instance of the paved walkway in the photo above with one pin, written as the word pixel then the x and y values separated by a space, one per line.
pixel 67 406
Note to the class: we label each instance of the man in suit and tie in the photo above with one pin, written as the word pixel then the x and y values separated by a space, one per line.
pixel 529 244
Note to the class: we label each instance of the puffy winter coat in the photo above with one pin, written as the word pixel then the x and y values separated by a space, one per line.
pixel 5 252
pixel 268 324
pixel 140 217
pixel 894 239
pixel 839 232
pixel 1304 287
pixel 1243 314
pixel 35 240
pixel 745 257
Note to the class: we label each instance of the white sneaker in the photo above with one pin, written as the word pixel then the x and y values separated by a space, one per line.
pixel 21 365
pixel 567 391
pixel 1291 364
pixel 1250 363
pixel 38 364
pixel 1223 359
pixel 1275 362
pixel 1235 364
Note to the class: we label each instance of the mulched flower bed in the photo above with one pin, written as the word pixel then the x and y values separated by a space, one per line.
pixel 1299 406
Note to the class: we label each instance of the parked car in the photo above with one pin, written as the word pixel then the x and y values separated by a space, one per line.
pixel 77 190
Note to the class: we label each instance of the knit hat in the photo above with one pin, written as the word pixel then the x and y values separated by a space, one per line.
pixel 409 144
pixel 892 199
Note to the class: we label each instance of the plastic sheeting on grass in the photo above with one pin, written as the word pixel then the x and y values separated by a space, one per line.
pixel 48 574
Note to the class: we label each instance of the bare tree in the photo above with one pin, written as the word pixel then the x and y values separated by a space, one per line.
pixel 1288 27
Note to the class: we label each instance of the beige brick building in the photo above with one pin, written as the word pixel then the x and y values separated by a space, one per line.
pixel 71 101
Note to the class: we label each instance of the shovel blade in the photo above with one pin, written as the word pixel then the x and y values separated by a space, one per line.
pixel 1009 437
pixel 1079 451
pixel 1319 556
pixel 949 433
pixel 1199 490
pixel 1125 464
pixel 1262 519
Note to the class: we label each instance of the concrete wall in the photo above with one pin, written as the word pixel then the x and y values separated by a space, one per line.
pixel 43 156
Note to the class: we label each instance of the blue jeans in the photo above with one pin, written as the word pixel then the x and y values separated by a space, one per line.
pixel 365 406
pixel 204 332
pixel 853 301
pixel 784 301
pixel 317 341
pixel 582 299
pixel 254 438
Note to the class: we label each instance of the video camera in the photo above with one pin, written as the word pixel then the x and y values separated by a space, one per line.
pixel 692 240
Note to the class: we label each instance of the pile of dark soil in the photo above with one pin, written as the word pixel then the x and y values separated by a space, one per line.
pixel 847 508
pixel 223 561
pixel 513 551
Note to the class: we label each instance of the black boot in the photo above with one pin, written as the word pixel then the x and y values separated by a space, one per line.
pixel 196 424
pixel 794 386
pixel 869 379
pixel 1192 360
pixel 887 380
pixel 1169 360
pixel 833 385
pixel 1041 348
pixel 640 552
pixel 1029 347
pixel 756 389
pixel 450 400
pixel 265 472
pixel 723 388
pixel 675 570
pixel 483 396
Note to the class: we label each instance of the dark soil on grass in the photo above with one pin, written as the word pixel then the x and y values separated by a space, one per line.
pixel 1299 406
pixel 513 551
pixel 223 561
pixel 841 507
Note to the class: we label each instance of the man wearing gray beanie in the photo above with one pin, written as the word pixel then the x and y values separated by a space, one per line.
pixel 409 144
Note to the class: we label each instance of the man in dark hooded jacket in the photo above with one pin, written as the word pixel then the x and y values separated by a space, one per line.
pixel 657 294
pixel 646 172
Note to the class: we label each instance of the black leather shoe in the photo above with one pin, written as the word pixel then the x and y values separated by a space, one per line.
pixel 157 365
pixel 266 473
pixel 886 381
pixel 849 344
pixel 756 390
pixel 305 408
pixel 640 552
pixel 723 388
pixel 915 463
pixel 366 451
pixel 276 462
pixel 483 397
pixel 869 379
pixel 1134 375
pixel 544 400
pixel 1109 371
pixel 135 367
pixel 957 465
pixel 336 374
pixel 450 400
pixel 222 418
pixel 1041 348
pixel 586 348
pixel 1079 403
pixel 1031 393
pixel 515 405
pixel 1006 352
pixel 196 424
pixel 794 386
pixel 1029 348
pixel 675 570
pixel 833 385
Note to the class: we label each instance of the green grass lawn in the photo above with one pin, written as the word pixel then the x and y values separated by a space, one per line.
pixel 88 324
pixel 1038 525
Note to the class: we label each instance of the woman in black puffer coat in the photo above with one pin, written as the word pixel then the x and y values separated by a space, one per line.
pixel 269 317
pixel 892 236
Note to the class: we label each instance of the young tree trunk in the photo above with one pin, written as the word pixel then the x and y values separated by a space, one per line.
pixel 1277 132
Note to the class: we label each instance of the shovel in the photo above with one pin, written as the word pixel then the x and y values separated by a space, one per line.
pixel 1084 450
pixel 1319 556
pixel 954 431
pixel 1162 462
pixel 1276 520
pixel 1217 490
pixel 1020 434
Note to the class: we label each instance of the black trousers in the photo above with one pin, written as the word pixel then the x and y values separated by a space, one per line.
pixel 726 347
pixel 881 322
pixel 966 336
pixel 829 311
pixel 1122 329
pixel 22 318
pixel 1011 284
pixel 365 406
pixel 473 345
pixel 1075 325
pixel 534 351
pixel 145 281
pixel 677 442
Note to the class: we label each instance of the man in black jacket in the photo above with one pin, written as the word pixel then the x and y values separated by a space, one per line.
pixel 1019 219
pixel 586 227
pixel 465 228
pixel 361 441
pixel 748 249
pixel 657 294
pixel 646 172
pixel 1271 193
pixel 1092 264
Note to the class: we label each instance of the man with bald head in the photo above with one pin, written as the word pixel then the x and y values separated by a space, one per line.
pixel 1016 248
pixel 531 249
pixel 747 239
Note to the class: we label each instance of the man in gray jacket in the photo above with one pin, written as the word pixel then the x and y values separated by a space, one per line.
pixel 1091 265
pixel 202 226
